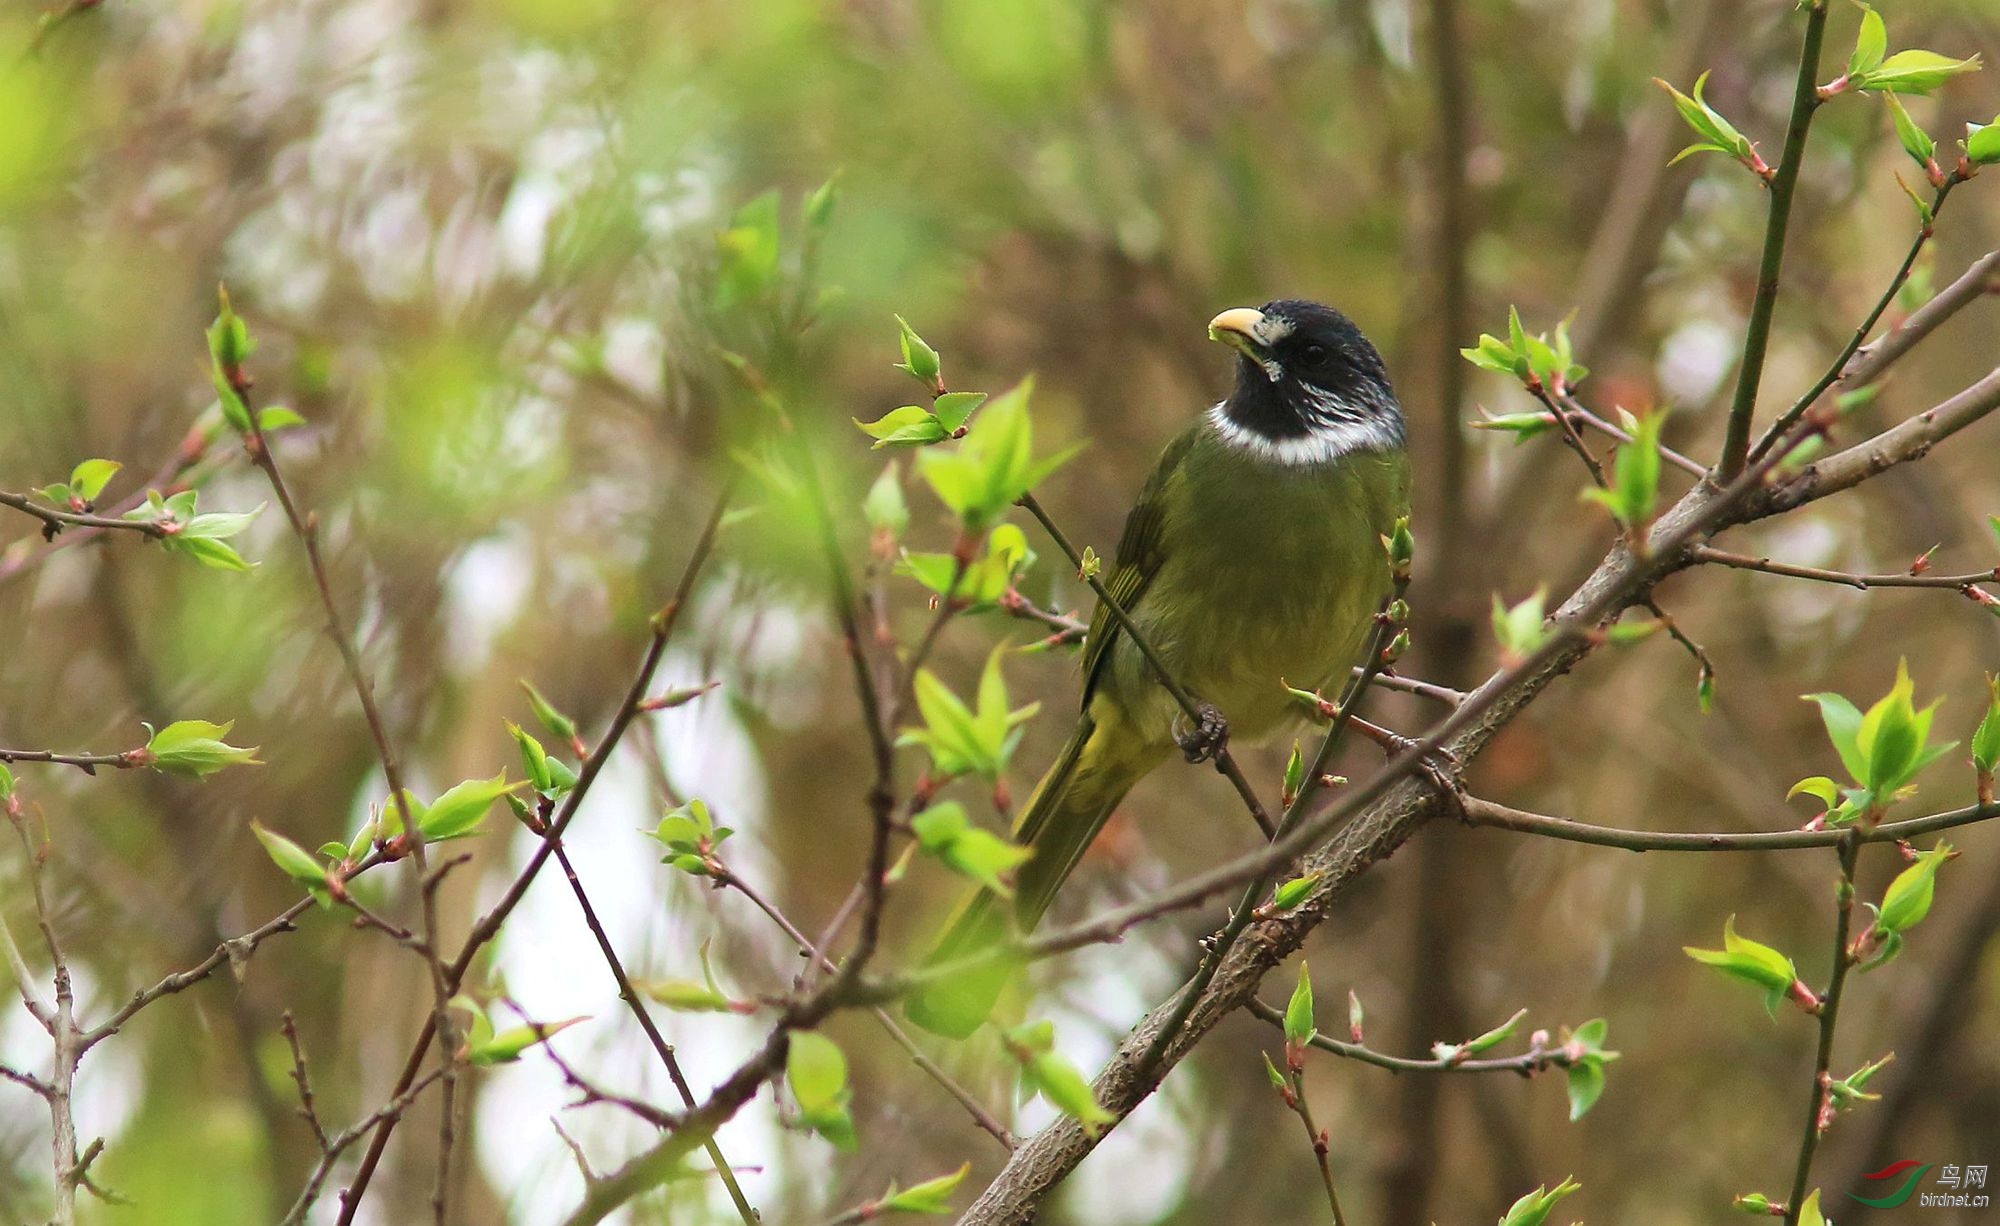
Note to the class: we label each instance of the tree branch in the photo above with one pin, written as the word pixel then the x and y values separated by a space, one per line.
pixel 1757 334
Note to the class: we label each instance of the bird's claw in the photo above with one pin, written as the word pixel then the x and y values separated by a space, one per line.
pixel 1206 739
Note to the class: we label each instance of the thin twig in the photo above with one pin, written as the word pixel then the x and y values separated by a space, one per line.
pixel 1819 1105
pixel 985 1119
pixel 661 1047
pixel 1190 707
pixel 664 622
pixel 1537 1059
pixel 1838 370
pixel 303 1079
pixel 85 762
pixel 1479 812
pixel 1740 561
pixel 1757 333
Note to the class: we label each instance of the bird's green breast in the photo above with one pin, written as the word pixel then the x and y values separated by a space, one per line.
pixel 1269 571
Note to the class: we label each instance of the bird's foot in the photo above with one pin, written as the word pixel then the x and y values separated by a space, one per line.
pixel 1440 765
pixel 1207 738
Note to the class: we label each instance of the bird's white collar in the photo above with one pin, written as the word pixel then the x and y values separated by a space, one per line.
pixel 1326 442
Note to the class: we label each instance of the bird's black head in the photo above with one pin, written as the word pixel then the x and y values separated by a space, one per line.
pixel 1309 385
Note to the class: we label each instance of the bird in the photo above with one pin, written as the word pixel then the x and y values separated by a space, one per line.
pixel 1253 558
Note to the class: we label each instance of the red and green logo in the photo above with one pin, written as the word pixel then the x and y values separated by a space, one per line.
pixel 1903 1192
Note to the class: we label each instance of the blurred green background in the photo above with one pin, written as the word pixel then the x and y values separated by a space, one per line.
pixel 478 242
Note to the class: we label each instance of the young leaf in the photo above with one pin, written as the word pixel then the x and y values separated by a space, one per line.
pixel 1519 627
pixel 884 507
pixel 1908 898
pixel 1585 1084
pixel 1752 962
pixel 1291 893
pixel 1915 141
pixel 1982 145
pixel 1299 1027
pixel 294 861
pixel 1986 738
pixel 817 1073
pixel 458 812
pixel 1534 1208
pixel 196 748
pixel 558 724
pixel 909 426
pixel 944 831
pixel 1870 45
pixel 1809 1213
pixel 88 479
pixel 1057 1080
pixel 919 359
pixel 1913 72
pixel 507 1046
pixel 930 1196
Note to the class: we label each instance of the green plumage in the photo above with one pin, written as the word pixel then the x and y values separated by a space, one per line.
pixel 1242 571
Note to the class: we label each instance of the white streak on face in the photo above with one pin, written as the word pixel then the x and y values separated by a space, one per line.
pixel 1267 332
pixel 1325 443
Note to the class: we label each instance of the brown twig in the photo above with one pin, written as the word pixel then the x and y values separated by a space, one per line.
pixel 1820 1105
pixel 644 1017
pixel 1757 333
pixel 488 926
pixel 1480 812
pixel 1739 561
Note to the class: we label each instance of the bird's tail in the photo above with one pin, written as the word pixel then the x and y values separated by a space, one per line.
pixel 1061 819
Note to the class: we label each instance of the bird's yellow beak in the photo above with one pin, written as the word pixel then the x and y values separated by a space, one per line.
pixel 1240 329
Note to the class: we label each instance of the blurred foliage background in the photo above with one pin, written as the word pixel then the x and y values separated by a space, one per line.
pixel 478 240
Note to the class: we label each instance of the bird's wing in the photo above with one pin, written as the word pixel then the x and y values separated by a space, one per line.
pixel 1141 550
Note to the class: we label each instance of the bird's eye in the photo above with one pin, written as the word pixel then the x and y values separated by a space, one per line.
pixel 1313 355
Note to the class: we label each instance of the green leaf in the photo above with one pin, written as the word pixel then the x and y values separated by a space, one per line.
pixel 817 1073
pixel 1299 1027
pixel 1982 145
pixel 1750 961
pixel 507 1046
pixel 207 551
pixel 458 812
pixel 6 782
pixel 1495 355
pixel 1908 899
pixel 1496 1036
pixel 1058 1081
pixel 229 345
pixel 884 507
pixel 1843 728
pixel 749 253
pixel 277 417
pixel 945 832
pixel 964 740
pixel 919 359
pixel 1523 426
pixel 1534 1208
pixel 1817 785
pixel 1717 133
pixel 930 1196
pixel 1809 1213
pixel 1986 738
pixel 558 724
pixel 954 409
pixel 1519 627
pixel 88 479
pixel 294 861
pixel 534 759
pixel 816 1070
pixel 1586 1086
pixel 1915 141
pixel 1914 72
pixel 994 466
pixel 689 996
pixel 909 426
pixel 1870 45
pixel 221 524
pixel 196 747
pixel 1291 893
pixel 1635 476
